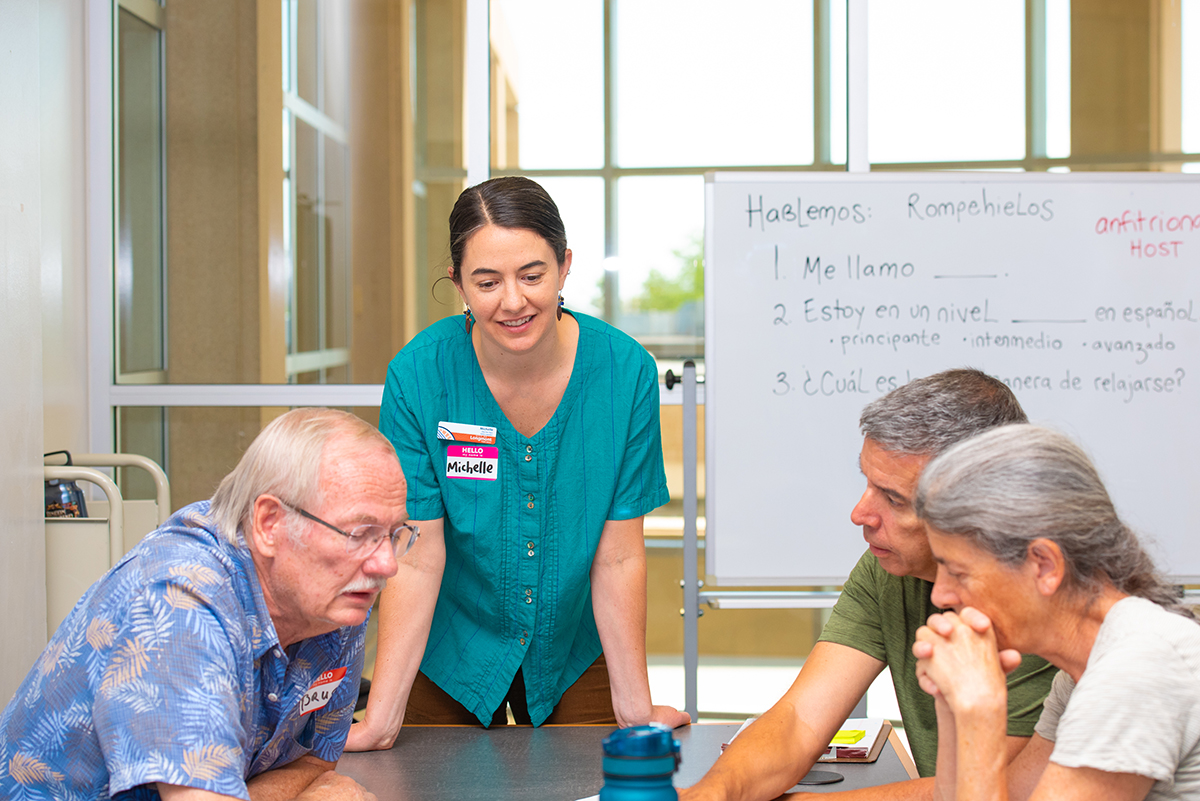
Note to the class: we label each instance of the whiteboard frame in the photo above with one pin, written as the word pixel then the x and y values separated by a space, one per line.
pixel 713 412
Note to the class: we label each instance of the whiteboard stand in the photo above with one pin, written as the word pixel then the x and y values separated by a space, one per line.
pixel 691 581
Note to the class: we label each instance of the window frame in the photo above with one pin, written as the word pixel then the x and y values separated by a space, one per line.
pixel 106 395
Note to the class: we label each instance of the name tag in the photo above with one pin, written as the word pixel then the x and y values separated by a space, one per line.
pixel 471 461
pixel 318 695
pixel 461 432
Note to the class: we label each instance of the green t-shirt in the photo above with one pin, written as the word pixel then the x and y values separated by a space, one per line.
pixel 879 614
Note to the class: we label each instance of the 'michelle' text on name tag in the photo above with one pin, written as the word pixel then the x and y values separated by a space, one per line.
pixel 471 461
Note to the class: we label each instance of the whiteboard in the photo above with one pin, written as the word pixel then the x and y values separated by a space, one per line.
pixel 1081 292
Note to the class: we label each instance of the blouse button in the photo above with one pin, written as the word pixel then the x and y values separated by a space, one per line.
pixel 531 553
pixel 529 449
pixel 528 600
pixel 272 697
pixel 522 641
pixel 530 504
pixel 529 458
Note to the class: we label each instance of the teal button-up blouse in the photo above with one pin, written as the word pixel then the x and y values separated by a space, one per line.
pixel 520 540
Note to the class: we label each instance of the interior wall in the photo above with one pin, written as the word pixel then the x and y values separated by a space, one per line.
pixel 63 295
pixel 440 149
pixel 1125 78
pixel 212 193
pixel 22 543
pixel 215 290
pixel 380 219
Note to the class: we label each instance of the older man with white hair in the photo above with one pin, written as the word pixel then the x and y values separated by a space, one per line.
pixel 221 657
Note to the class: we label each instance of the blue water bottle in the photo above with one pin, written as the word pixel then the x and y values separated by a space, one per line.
pixel 639 763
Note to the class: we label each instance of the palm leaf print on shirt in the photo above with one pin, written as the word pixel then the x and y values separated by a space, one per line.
pixel 197 575
pixel 100 633
pixel 181 598
pixel 28 770
pixel 128 663
pixel 207 763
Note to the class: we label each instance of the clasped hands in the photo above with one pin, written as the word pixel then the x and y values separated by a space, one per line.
pixel 959 662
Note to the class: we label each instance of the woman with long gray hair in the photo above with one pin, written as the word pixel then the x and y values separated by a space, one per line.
pixel 1032 558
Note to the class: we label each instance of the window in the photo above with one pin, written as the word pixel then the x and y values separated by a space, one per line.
pixel 1190 80
pixel 301 150
pixel 139 279
pixel 947 81
pixel 141 241
pixel 620 120
pixel 278 241
pixel 316 165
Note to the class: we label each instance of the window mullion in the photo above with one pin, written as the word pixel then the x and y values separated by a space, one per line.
pixel 1035 79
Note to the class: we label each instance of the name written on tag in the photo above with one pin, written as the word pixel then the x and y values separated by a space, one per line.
pixel 472 461
pixel 318 695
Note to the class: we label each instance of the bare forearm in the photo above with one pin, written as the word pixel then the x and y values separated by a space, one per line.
pixel 781 746
pixel 396 662
pixel 765 760
pixel 911 790
pixel 287 782
pixel 760 767
pixel 619 606
pixel 947 752
pixel 405 613
pixel 982 756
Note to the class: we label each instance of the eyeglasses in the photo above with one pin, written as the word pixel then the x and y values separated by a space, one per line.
pixel 368 535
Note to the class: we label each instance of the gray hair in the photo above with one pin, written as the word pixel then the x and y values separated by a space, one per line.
pixel 928 415
pixel 1014 484
pixel 285 460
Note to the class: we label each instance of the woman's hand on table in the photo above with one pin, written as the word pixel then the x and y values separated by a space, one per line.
pixel 651 713
pixel 669 716
pixel 363 737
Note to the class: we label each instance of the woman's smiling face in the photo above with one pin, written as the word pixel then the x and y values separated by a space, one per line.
pixel 510 279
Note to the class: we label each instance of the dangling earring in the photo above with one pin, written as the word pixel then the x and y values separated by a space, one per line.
pixel 558 311
pixel 469 321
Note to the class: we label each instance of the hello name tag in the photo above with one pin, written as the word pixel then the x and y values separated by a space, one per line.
pixel 318 695
pixel 461 432
pixel 472 461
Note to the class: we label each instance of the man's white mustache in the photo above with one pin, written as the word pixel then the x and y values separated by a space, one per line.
pixel 366 585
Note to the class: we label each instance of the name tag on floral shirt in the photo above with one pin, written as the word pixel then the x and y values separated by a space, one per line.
pixel 318 695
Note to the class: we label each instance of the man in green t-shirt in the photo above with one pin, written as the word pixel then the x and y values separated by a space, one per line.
pixel 884 601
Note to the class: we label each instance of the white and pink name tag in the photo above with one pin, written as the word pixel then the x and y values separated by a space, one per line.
pixel 318 695
pixel 472 461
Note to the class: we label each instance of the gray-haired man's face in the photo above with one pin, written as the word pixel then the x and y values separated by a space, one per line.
pixel 894 534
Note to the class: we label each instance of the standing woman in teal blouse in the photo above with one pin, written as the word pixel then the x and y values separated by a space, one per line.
pixel 530 439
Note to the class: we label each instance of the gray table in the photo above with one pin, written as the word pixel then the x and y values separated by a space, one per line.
pixel 461 763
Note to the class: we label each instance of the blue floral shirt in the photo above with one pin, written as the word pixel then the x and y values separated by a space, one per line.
pixel 169 670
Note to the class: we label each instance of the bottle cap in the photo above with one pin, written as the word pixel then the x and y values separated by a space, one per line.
pixel 651 740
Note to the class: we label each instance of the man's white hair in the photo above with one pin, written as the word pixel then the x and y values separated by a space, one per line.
pixel 284 460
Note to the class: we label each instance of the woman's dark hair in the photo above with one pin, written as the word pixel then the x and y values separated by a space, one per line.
pixel 509 202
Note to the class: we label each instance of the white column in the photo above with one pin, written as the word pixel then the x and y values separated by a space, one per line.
pixel 22 538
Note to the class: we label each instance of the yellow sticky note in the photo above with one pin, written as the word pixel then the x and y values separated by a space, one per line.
pixel 848 736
